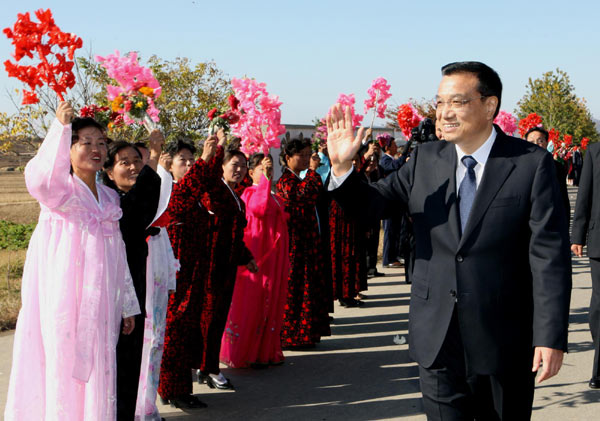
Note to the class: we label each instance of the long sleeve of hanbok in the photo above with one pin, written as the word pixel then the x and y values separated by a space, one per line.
pixel 47 173
pixel 188 191
pixel 257 200
pixel 131 306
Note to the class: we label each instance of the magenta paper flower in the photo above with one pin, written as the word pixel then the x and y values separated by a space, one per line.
pixel 133 80
pixel 379 93
pixel 349 101
pixel 507 122
pixel 260 125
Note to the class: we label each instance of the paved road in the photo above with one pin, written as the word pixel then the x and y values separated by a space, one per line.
pixel 359 373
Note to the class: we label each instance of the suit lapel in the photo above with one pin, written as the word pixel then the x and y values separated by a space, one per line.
pixel 445 167
pixel 497 168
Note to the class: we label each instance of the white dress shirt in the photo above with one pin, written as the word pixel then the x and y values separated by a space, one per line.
pixel 480 155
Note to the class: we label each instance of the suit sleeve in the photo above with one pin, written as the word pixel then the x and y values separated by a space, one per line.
pixel 379 200
pixel 550 259
pixel 583 207
pixel 564 191
pixel 390 165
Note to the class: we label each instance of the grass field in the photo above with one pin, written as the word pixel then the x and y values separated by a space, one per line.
pixel 16 205
pixel 11 270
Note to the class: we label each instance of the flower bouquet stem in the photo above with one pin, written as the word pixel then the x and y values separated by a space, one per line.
pixel 148 123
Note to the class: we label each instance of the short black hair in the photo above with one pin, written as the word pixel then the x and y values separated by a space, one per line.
pixel 537 129
pixel 291 147
pixel 230 154
pixel 175 147
pixel 256 158
pixel 489 81
pixel 80 123
pixel 113 150
pixel 140 145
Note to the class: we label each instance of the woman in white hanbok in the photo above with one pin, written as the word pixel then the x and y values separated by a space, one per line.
pixel 76 284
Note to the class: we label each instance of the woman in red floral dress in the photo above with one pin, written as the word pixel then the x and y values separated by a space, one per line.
pixel 348 252
pixel 306 317
pixel 187 230
pixel 226 251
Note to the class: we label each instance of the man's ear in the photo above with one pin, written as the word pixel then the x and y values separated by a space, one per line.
pixel 109 172
pixel 491 104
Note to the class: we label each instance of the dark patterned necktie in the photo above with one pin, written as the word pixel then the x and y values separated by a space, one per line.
pixel 466 191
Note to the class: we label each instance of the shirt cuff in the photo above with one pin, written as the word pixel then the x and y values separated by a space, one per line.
pixel 335 182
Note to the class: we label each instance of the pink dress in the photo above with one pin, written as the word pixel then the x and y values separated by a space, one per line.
pixel 252 332
pixel 76 287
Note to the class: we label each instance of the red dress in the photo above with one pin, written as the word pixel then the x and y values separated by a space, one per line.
pixel 306 311
pixel 348 254
pixel 253 330
pixel 226 251
pixel 188 234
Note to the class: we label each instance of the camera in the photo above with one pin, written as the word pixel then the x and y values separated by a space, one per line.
pixel 424 132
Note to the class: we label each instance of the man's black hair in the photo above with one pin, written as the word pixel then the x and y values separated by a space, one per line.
pixel 489 81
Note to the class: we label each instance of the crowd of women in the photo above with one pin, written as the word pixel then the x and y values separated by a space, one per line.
pixel 148 268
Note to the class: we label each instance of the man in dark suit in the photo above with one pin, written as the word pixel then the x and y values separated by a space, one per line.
pixel 492 277
pixel 587 213
pixel 539 136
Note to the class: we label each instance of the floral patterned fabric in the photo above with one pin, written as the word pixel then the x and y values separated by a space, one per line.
pixel 348 254
pixel 306 318
pixel 226 251
pixel 188 232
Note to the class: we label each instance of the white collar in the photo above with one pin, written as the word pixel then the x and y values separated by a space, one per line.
pixel 482 153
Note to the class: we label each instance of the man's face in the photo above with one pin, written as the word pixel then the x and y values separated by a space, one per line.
pixel 538 138
pixel 463 116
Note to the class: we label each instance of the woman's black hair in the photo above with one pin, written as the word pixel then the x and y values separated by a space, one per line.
pixel 113 150
pixel 230 154
pixel 291 147
pixel 175 147
pixel 80 123
pixel 139 145
pixel 256 158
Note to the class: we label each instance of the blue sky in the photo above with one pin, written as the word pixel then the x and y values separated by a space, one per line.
pixel 310 51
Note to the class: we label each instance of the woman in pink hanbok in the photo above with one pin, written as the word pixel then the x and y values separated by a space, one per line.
pixel 76 284
pixel 252 333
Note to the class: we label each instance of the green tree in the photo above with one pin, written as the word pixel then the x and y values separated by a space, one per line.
pixel 553 98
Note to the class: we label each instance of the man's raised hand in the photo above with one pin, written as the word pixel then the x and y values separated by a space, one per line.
pixel 341 142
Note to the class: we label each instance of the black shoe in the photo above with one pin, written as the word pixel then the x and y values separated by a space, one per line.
pixel 187 402
pixel 594 383
pixel 353 303
pixel 201 377
pixel 343 302
pixel 378 274
pixel 213 384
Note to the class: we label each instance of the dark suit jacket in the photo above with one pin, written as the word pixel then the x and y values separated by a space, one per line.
pixel 389 164
pixel 509 275
pixel 561 175
pixel 587 208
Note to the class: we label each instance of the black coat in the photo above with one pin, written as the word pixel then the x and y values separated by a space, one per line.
pixel 586 220
pixel 139 207
pixel 509 275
